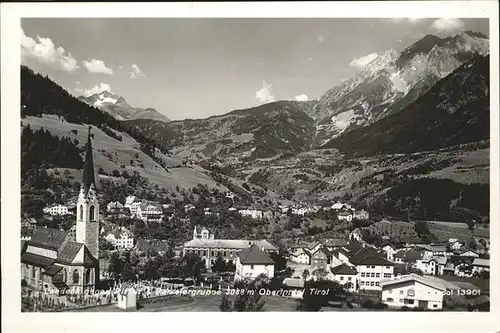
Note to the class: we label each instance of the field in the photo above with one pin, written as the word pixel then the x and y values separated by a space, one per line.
pixel 447 230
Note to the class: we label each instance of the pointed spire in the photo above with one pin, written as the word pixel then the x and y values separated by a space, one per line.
pixel 88 168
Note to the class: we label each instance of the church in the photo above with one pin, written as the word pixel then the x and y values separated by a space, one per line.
pixel 52 261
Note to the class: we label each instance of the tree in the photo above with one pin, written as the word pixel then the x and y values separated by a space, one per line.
pixel 305 274
pixel 422 229
pixel 192 266
pixel 279 261
pixel 115 267
pixel 319 293
pixel 219 265
pixel 105 245
pixel 245 301
pixel 471 225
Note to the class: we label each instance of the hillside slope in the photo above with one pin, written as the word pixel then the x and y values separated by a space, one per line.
pixel 454 111
pixel 260 132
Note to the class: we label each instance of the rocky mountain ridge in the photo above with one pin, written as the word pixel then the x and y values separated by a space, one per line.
pixel 118 107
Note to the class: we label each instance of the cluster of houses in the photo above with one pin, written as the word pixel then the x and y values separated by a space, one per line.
pixel 399 271
pixel 437 259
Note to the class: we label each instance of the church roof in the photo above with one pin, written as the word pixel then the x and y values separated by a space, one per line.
pixel 53 270
pixel 36 260
pixel 88 168
pixel 69 251
pixel 254 256
pixel 51 239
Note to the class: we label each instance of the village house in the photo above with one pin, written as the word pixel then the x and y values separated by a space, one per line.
pixel 150 212
pixel 321 258
pixel 469 253
pixel 315 246
pixel 479 265
pixel 389 250
pixel 301 256
pixel 121 238
pixel 334 244
pixel 454 246
pixel 27 233
pixel 345 216
pixel 340 206
pixel 134 208
pixel 114 207
pixel 463 269
pixel 51 261
pixel 168 211
pixel 372 268
pixel 437 250
pixel 129 201
pixel 28 223
pixel 56 210
pixel 413 291
pixel 252 262
pixel 345 274
pixel 361 215
pixel 208 248
pixel 432 265
pixel 229 195
pixel 253 213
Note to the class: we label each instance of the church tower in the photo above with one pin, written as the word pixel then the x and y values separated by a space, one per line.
pixel 87 209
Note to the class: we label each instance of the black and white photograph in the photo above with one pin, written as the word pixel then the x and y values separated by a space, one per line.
pixel 252 164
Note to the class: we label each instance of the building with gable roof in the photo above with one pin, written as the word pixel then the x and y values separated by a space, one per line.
pixel 253 262
pixel 208 249
pixel 121 238
pixel 127 297
pixel 52 261
pixel 372 268
pixel 345 274
pixel 413 291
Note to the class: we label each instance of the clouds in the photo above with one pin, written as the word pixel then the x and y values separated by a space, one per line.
pixel 94 90
pixel 265 94
pixel 136 72
pixel 97 66
pixel 412 20
pixel 448 25
pixel 45 52
pixel 301 98
pixel 363 61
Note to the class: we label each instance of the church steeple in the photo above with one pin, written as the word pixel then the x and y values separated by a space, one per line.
pixel 88 168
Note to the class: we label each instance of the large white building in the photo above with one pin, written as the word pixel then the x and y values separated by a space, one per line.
pixel 413 291
pixel 372 268
pixel 56 210
pixel 208 249
pixel 150 212
pixel 121 238
pixel 253 262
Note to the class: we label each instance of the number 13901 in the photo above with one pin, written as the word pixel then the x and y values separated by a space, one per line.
pixel 462 292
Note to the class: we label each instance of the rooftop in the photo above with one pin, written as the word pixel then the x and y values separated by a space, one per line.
pixel 344 269
pixel 229 244
pixel 413 277
pixel 48 238
pixel 254 256
pixel 369 256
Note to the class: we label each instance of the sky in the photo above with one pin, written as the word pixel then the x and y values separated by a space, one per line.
pixel 199 67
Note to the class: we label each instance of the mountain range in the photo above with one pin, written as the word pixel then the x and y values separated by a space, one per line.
pixel 118 107
pixel 391 83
